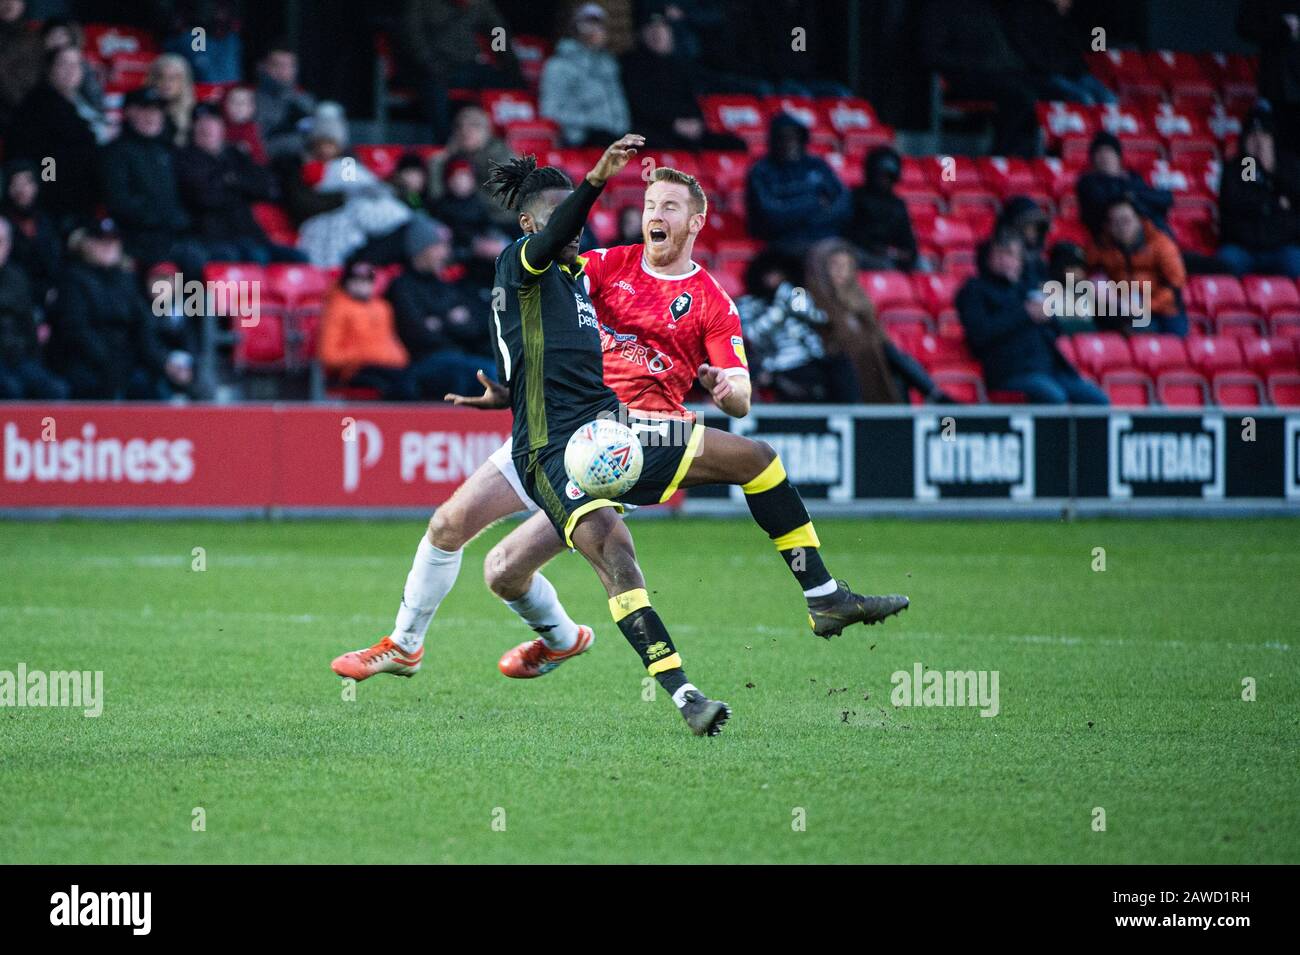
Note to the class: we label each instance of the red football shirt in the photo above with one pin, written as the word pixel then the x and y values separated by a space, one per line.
pixel 656 330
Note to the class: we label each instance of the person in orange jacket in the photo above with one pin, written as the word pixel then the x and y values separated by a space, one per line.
pixel 1134 251
pixel 358 339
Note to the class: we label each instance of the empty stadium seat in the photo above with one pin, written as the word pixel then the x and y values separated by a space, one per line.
pixel 1212 354
pixel 964 386
pixel 1182 389
pixel 1218 293
pixel 908 319
pixel 1127 389
pixel 1154 354
pixel 1284 389
pixel 1237 389
pixel 1266 355
pixel 1271 294
pixel 1101 352
pixel 887 289
pixel 936 292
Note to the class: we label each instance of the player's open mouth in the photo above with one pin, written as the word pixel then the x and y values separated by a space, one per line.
pixel 658 235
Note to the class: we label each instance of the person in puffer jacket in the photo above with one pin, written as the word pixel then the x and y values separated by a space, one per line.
pixel 581 89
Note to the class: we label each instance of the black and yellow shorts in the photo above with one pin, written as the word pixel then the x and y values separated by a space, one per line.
pixel 668 447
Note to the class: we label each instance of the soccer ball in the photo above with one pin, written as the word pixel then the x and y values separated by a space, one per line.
pixel 604 458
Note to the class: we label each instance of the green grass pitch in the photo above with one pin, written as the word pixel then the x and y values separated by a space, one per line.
pixel 1119 689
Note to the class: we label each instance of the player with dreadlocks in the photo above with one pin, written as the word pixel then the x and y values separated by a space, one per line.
pixel 553 369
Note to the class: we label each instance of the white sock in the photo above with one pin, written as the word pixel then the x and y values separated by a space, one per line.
pixel 679 697
pixel 432 575
pixel 827 588
pixel 541 607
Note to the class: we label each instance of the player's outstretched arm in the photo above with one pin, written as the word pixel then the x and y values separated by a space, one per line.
pixel 571 215
pixel 494 395
pixel 730 392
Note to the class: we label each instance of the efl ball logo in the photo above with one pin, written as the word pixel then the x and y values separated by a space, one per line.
pixel 604 458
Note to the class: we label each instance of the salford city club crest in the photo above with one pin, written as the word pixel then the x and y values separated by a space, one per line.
pixel 679 306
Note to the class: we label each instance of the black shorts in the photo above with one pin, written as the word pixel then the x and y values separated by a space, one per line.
pixel 667 446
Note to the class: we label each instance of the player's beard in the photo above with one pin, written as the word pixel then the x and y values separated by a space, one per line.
pixel 664 253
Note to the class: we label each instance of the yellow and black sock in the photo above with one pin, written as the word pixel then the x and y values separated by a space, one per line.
pixel 643 629
pixel 780 511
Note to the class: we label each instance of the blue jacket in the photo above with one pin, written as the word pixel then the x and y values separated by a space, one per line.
pixel 1000 332
pixel 795 203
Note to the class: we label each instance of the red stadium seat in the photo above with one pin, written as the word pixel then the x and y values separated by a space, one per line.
pixel 947 233
pixel 1239 324
pixel 1270 294
pixel 508 108
pixel 1213 354
pixel 260 346
pixel 1127 389
pixel 1182 389
pixel 1100 352
pixel 1284 389
pixel 1008 175
pixel 854 122
pixel 933 352
pixel 1065 345
pixel 296 284
pixel 887 289
pixel 908 320
pixel 381 159
pixel 1264 356
pixel 1285 325
pixel 950 326
pixel 275 222
pixel 935 291
pixel 1154 354
pixel 1237 389
pixel 963 386
pixel 1217 293
pixel 1061 121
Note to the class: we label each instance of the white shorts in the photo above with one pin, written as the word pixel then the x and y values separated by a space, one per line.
pixel 501 457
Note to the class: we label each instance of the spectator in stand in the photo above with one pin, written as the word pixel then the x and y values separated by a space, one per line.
pixel 881 227
pixel 783 335
pixel 447 344
pixel 281 107
pixel 103 339
pixel 21 58
pixel 22 375
pixel 218 184
pixel 138 171
pixel 59 32
pixel 1274 27
pixel 1013 337
pixel 410 181
pixel 442 39
pixel 791 198
pixel 580 88
pixel 358 342
pixel 37 245
pixel 367 223
pixel 221 59
pixel 1067 264
pixel 882 371
pixel 51 129
pixel 629 226
pixel 1134 251
pixel 1106 180
pixel 472 138
pixel 240 110
pixel 170 75
pixel 963 42
pixel 1259 205
pixel 1050 39
pixel 476 239
pixel 1023 216
pixel 662 93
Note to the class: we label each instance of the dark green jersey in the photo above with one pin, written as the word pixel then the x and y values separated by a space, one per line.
pixel 548 349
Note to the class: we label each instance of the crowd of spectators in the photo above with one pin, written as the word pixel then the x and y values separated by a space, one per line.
pixel 102 198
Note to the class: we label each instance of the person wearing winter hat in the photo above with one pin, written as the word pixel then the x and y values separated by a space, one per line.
pixel 1106 180
pixel 881 227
